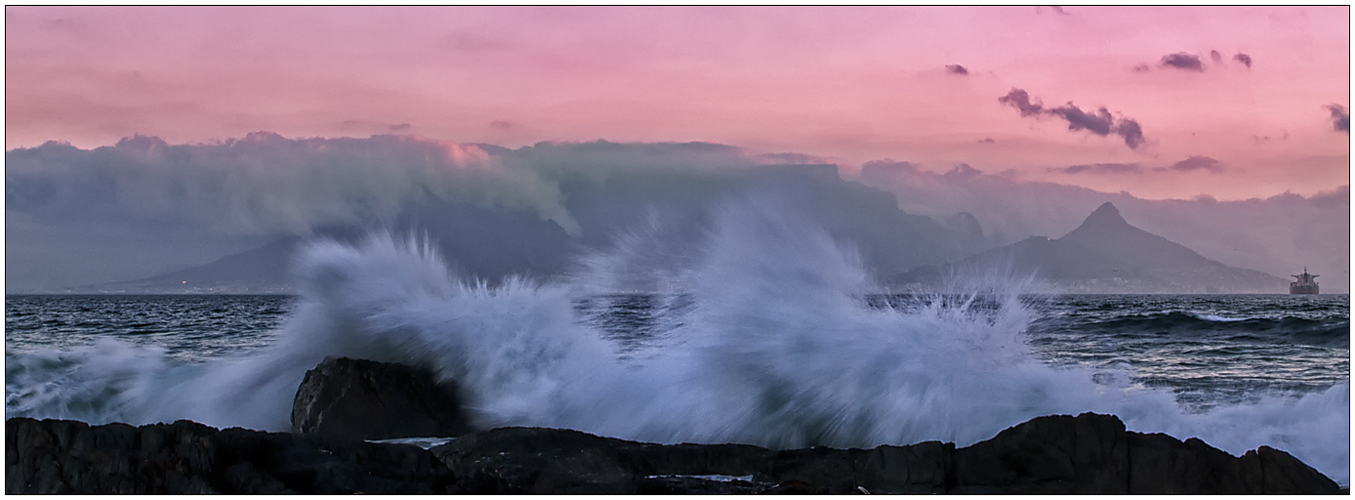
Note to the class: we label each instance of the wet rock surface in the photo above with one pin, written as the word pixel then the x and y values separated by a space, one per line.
pixel 360 399
pixel 63 456
pixel 1086 454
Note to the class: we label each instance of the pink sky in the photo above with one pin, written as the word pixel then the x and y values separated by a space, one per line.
pixel 847 84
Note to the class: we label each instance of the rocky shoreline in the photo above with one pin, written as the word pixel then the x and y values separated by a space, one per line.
pixel 1085 454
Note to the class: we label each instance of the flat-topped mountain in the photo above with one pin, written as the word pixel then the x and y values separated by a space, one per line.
pixel 1105 254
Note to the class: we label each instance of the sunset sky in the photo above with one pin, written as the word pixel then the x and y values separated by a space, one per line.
pixel 1231 102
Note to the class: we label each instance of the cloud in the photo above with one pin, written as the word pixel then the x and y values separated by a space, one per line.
pixel 1099 122
pixel 1195 163
pixel 1216 56
pixel 956 69
pixel 399 127
pixel 1340 117
pixel 1141 68
pixel 1100 169
pixel 502 125
pixel 1187 165
pixel 1182 61
pixel 1131 132
pixel 987 140
pixel 963 170
pixel 264 183
pixel 1243 58
pixel 1020 100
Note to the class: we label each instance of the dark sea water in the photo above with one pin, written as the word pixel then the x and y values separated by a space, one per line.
pixel 188 327
pixel 1205 348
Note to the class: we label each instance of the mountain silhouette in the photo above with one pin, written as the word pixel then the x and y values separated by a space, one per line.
pixel 1105 254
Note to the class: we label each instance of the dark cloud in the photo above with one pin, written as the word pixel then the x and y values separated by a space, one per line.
pixel 1195 163
pixel 956 69
pixel 1216 56
pixel 1131 132
pixel 1340 117
pixel 1243 58
pixel 1183 61
pixel 987 140
pixel 1020 100
pixel 1099 122
pixel 1100 168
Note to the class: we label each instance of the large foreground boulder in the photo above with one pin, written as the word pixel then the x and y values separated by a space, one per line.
pixel 360 399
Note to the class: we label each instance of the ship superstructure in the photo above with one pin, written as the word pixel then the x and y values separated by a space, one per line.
pixel 1306 284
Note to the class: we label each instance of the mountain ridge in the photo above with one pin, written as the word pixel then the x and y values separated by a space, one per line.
pixel 1105 254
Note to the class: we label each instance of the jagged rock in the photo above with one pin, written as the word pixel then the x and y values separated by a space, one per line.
pixel 1093 454
pixel 360 399
pixel 1048 455
pixel 540 461
pixel 62 456
pixel 1162 464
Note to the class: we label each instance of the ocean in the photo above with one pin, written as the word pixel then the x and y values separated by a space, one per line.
pixel 791 348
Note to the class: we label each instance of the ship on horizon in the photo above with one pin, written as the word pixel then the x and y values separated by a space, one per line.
pixel 1306 284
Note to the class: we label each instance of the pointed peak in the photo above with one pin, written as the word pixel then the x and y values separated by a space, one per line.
pixel 1104 215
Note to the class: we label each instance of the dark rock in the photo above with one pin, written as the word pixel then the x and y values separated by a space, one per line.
pixel 360 399
pixel 546 461
pixel 1086 454
pixel 1161 464
pixel 61 456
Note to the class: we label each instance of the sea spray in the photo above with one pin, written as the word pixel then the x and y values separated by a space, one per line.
pixel 772 342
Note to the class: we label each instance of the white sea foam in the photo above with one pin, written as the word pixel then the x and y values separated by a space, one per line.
pixel 777 348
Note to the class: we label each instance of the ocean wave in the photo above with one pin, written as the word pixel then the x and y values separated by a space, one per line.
pixel 1326 332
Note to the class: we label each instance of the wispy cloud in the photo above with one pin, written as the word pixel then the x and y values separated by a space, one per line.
pixel 1243 58
pixel 1195 163
pixel 956 69
pixel 1099 122
pixel 1190 164
pixel 1100 169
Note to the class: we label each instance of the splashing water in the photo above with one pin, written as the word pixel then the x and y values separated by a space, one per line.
pixel 777 347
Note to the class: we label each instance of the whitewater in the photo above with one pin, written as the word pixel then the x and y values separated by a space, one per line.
pixel 768 340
